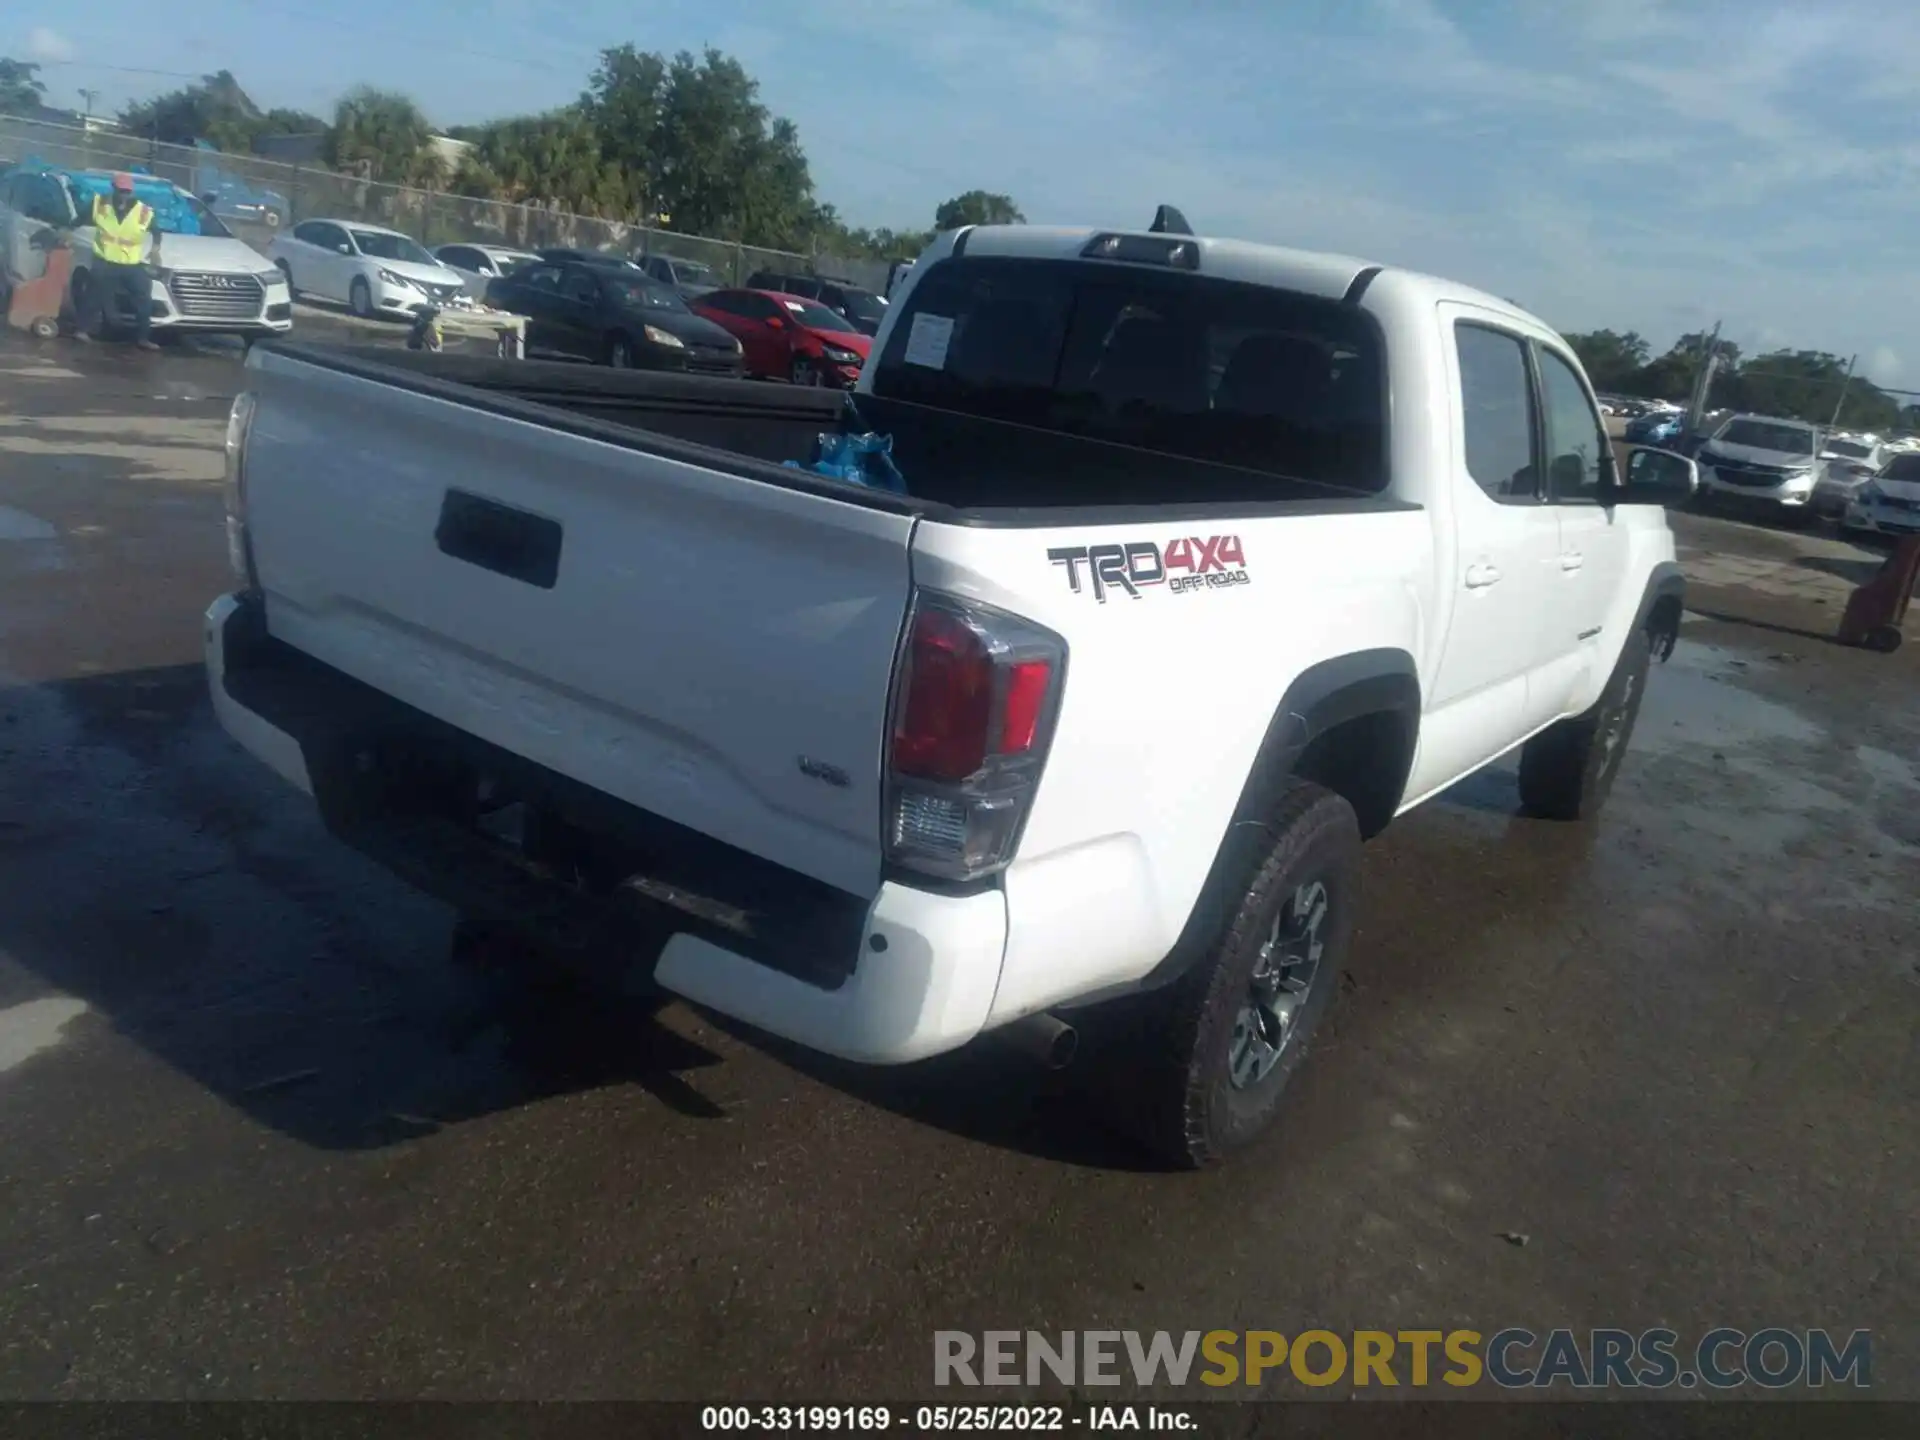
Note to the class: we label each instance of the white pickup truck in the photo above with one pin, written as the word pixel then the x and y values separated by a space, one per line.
pixel 1215 557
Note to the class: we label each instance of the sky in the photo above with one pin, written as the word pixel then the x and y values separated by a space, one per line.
pixel 1653 165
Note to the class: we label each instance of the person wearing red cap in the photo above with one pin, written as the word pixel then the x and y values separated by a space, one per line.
pixel 122 228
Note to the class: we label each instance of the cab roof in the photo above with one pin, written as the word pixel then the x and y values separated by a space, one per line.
pixel 1308 272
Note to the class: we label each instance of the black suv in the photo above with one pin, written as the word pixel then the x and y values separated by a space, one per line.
pixel 864 308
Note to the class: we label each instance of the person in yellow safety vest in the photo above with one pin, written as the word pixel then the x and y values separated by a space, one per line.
pixel 122 227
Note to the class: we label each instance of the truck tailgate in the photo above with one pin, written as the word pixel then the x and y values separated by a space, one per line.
pixel 711 648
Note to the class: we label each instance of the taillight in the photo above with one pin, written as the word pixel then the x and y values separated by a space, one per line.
pixel 239 545
pixel 973 714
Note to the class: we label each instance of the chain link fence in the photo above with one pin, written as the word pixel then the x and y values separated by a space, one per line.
pixel 254 197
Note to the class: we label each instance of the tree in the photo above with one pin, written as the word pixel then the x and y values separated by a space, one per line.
pixel 695 145
pixel 1808 385
pixel 1611 360
pixel 977 207
pixel 216 110
pixel 383 135
pixel 1694 343
pixel 281 121
pixel 21 91
pixel 549 160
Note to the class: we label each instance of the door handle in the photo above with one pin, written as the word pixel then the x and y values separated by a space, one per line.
pixel 1482 575
pixel 1572 560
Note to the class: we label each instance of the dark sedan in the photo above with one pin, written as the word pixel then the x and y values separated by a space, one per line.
pixel 561 256
pixel 613 316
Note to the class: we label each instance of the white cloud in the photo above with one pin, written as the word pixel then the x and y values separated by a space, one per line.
pixel 48 46
pixel 1883 366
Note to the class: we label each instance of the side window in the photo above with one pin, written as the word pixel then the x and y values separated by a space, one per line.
pixel 40 199
pixel 1496 405
pixel 541 277
pixel 581 286
pixel 329 237
pixel 1576 443
pixel 307 232
pixel 462 258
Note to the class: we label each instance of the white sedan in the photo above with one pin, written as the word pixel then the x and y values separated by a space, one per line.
pixel 371 270
pixel 1889 503
pixel 481 265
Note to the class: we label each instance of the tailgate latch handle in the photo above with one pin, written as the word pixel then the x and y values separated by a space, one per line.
pixel 508 541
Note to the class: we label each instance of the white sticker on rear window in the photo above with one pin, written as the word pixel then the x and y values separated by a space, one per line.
pixel 928 340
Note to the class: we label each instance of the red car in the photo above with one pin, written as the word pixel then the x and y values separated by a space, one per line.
pixel 784 337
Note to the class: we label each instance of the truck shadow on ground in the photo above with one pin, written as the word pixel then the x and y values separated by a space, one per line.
pixel 1772 627
pixel 989 1094
pixel 1854 572
pixel 198 907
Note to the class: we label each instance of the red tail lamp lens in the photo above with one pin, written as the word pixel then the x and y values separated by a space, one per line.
pixel 948 709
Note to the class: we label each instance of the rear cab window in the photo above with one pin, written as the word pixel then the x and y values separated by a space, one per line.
pixel 1279 386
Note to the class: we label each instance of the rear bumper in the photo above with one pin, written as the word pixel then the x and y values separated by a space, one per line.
pixel 906 975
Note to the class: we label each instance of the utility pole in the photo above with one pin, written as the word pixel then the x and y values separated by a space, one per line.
pixel 1846 381
pixel 1703 382
pixel 86 115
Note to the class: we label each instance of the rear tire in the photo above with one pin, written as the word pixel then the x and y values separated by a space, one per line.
pixel 1201 1066
pixel 1568 769
pixel 1885 639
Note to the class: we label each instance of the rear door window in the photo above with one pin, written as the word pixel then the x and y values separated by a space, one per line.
pixel 1270 380
pixel 1496 408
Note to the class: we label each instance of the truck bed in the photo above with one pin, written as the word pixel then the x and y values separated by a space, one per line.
pixel 959 468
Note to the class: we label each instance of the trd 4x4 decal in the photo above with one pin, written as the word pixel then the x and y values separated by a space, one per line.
pixel 1190 563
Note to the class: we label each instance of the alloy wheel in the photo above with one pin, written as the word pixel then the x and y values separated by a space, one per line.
pixel 1283 976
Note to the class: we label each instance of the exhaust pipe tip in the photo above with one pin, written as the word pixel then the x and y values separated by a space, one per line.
pixel 1043 1038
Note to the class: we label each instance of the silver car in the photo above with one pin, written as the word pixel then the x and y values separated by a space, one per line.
pixel 1846 463
pixel 1758 461
pixel 481 265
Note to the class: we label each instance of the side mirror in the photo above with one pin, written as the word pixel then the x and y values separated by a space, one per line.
pixel 774 322
pixel 1657 477
pixel 344 248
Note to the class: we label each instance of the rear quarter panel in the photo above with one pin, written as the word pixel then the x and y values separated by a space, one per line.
pixel 1169 693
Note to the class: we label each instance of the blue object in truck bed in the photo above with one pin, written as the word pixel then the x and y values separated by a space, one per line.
pixel 865 459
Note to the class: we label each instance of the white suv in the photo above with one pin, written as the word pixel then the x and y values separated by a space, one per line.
pixel 1754 459
pixel 205 280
